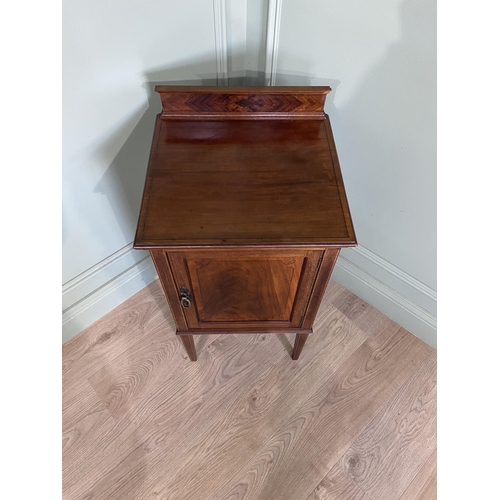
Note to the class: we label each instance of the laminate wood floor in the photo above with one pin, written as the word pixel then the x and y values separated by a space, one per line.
pixel 353 419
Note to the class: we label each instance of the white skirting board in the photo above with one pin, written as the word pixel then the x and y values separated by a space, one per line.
pixel 393 292
pixel 399 296
pixel 97 291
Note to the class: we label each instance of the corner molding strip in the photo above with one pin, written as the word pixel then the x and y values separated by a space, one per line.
pixel 220 25
pixel 272 40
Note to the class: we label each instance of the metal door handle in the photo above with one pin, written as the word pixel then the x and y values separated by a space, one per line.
pixel 185 297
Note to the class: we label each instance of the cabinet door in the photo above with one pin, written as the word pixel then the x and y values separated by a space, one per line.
pixel 238 289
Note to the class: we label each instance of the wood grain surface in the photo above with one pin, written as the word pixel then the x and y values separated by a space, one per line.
pixel 404 432
pixel 271 400
pixel 336 485
pixel 250 182
pixel 365 316
pixel 86 421
pixel 301 452
pixel 424 485
pixel 245 289
pixel 142 422
pixel 242 102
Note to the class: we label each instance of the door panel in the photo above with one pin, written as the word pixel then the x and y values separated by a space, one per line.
pixel 238 288
pixel 257 289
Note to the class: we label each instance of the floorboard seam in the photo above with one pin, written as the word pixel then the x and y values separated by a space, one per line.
pixel 388 402
pixel 102 402
pixel 416 474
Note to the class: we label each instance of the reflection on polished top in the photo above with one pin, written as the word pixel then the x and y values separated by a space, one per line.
pixel 248 169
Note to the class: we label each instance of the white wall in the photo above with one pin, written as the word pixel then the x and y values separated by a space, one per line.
pixel 112 50
pixel 113 53
pixel 379 57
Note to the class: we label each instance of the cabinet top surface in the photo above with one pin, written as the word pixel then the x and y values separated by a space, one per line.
pixel 244 181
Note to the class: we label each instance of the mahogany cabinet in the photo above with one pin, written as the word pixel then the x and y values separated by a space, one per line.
pixel 244 210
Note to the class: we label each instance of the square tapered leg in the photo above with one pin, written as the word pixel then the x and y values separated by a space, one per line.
pixel 300 340
pixel 188 342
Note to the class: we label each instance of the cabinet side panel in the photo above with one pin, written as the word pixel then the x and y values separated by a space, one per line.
pixel 169 287
pixel 310 270
pixel 322 278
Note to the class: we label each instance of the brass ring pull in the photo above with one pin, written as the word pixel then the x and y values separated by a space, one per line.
pixel 185 297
